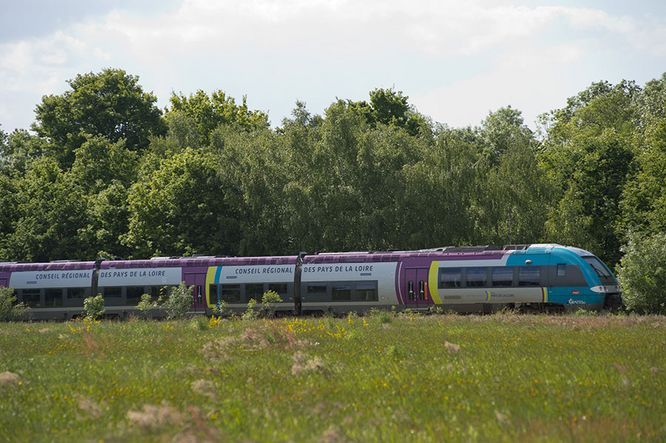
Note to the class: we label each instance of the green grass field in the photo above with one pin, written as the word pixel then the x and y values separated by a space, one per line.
pixel 378 378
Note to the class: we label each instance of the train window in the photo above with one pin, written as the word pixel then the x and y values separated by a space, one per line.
pixel 568 275
pixel 410 290
pixel 315 292
pixel 341 292
pixel 601 270
pixel 76 293
pixel 32 297
pixel 53 298
pixel 477 277
pixel 365 291
pixel 112 291
pixel 231 293
pixel 529 276
pixel 450 277
pixel 134 294
pixel 502 277
pixel 255 291
pixel 421 290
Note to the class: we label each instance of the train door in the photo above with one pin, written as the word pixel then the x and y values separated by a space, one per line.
pixel 198 280
pixel 415 288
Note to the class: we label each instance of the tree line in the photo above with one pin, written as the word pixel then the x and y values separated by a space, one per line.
pixel 104 172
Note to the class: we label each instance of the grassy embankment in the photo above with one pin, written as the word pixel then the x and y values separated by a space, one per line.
pixel 383 377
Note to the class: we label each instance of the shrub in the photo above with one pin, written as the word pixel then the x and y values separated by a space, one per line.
pixel 642 274
pixel 382 315
pixel 147 305
pixel 221 310
pixel 9 309
pixel 178 302
pixel 94 307
pixel 251 311
pixel 268 300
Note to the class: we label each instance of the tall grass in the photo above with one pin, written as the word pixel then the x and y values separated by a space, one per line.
pixel 389 378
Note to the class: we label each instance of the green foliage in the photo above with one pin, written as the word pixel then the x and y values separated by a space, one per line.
pixel 177 303
pixel 181 209
pixel 268 301
pixel 221 309
pixel 50 209
pixel 9 309
pixel 106 175
pixel 110 104
pixel 138 381
pixel 643 198
pixel 251 312
pixel 642 274
pixel 192 119
pixel 94 306
pixel 587 156
pixel 146 304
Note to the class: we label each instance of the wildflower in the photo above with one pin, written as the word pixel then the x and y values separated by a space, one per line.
pixel 214 321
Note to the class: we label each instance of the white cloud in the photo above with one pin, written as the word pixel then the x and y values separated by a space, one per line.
pixel 538 74
pixel 265 47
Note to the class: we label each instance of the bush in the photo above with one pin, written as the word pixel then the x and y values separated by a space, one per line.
pixel 642 274
pixel 221 309
pixel 268 300
pixel 9 309
pixel 147 305
pixel 178 302
pixel 94 307
pixel 251 311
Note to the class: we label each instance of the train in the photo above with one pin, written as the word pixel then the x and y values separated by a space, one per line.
pixel 482 279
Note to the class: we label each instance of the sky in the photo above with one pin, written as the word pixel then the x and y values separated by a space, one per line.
pixel 456 60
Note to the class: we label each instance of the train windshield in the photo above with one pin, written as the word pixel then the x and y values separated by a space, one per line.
pixel 602 271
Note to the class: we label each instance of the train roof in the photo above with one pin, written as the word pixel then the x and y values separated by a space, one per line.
pixel 449 252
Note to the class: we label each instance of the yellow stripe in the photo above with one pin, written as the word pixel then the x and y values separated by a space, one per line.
pixel 432 282
pixel 544 295
pixel 210 279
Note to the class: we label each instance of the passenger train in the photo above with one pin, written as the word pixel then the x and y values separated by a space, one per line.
pixel 463 279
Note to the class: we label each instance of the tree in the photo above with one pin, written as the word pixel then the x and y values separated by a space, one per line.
pixel 512 197
pixel 204 113
pixel 18 150
pixel 181 208
pixel 644 196
pixel 642 274
pixel 111 104
pixel 50 211
pixel 587 156
pixel 8 211
pixel 253 166
pixel 390 107
pixel 437 208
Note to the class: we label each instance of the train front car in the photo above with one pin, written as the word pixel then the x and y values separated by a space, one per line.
pixel 532 278
pixel 598 288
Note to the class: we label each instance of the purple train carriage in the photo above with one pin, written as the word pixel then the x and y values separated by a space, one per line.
pixel 462 279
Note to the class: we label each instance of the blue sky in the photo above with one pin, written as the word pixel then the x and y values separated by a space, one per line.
pixel 456 61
